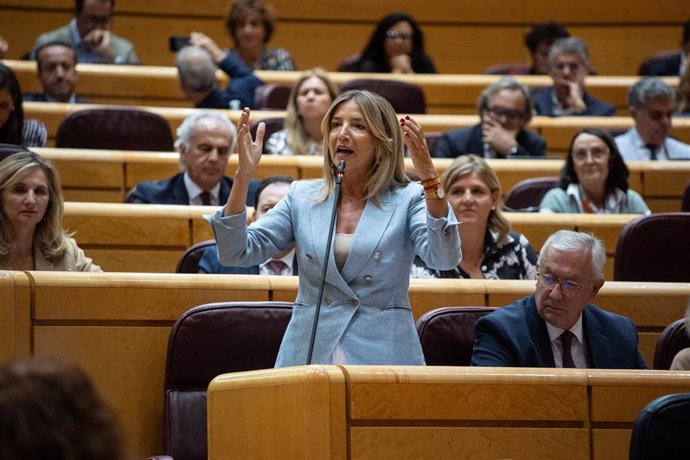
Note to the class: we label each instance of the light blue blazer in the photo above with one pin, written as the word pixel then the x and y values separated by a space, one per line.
pixel 366 308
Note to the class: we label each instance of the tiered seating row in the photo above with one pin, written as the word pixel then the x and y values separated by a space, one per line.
pixel 116 325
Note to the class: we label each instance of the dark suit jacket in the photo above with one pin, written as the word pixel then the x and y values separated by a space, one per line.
pixel 173 191
pixel 516 336
pixel 543 104
pixel 241 88
pixel 209 263
pixel 469 140
pixel 657 66
pixel 41 97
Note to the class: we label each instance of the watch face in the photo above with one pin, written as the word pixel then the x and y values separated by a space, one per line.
pixel 440 193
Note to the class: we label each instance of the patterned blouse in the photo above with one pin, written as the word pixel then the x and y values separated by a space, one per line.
pixel 278 144
pixel 34 133
pixel 272 59
pixel 514 259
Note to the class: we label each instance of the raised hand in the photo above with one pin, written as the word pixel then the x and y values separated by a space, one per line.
pixel 414 139
pixel 207 43
pixel 249 150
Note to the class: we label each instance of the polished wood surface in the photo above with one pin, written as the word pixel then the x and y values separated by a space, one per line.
pixel 433 412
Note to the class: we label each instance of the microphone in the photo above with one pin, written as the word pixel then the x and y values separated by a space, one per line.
pixel 340 172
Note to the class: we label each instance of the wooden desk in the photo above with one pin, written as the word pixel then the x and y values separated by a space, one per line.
pixel 116 325
pixel 374 412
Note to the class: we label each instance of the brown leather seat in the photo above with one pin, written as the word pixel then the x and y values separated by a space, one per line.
pixel 527 194
pixel 654 248
pixel 206 341
pixel 673 339
pixel 115 128
pixel 447 334
pixel 404 97
pixel 189 262
pixel 272 96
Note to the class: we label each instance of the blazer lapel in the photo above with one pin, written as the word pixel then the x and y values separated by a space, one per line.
pixel 370 229
pixel 539 335
pixel 596 340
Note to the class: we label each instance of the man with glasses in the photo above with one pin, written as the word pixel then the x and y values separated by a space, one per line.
pixel 89 32
pixel 568 68
pixel 505 109
pixel 651 103
pixel 557 326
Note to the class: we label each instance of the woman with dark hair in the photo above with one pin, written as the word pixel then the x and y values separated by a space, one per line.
pixel 13 128
pixel 396 46
pixel 594 179
pixel 52 410
pixel 250 24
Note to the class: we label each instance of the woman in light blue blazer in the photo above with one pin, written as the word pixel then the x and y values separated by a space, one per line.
pixel 382 221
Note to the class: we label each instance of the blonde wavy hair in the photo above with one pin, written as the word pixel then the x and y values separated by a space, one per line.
pixel 296 135
pixel 388 170
pixel 468 164
pixel 49 237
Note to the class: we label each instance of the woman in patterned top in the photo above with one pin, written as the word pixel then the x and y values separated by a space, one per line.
pixel 13 128
pixel 489 249
pixel 310 98
pixel 250 23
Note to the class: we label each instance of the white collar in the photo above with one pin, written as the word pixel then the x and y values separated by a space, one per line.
pixel 75 31
pixel 194 191
pixel 612 201
pixel 576 329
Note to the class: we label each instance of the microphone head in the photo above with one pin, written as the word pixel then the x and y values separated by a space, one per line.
pixel 341 167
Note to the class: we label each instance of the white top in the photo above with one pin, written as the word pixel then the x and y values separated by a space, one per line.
pixel 343 246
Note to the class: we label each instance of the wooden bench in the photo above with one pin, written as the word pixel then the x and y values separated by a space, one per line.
pixel 116 325
pixel 461 38
pixel 374 412
pixel 159 86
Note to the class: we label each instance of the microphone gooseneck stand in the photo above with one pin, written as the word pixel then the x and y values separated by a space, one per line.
pixel 338 180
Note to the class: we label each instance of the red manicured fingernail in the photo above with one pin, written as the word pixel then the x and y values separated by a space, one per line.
pixel 407 117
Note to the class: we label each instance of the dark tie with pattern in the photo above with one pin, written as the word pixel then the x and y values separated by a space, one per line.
pixel 205 198
pixel 566 341
pixel 275 267
pixel 652 151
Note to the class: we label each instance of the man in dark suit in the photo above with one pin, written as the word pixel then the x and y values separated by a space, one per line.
pixel 671 64
pixel 557 327
pixel 205 141
pixel 505 109
pixel 270 191
pixel 56 63
pixel 568 68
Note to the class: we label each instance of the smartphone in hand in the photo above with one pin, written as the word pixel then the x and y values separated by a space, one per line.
pixel 177 42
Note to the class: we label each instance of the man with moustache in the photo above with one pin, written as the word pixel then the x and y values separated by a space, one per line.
pixel 557 326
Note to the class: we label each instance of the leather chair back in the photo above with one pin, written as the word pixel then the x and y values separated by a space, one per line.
pixel 507 69
pixel 189 262
pixel 685 207
pixel 447 334
pixel 273 96
pixel 672 339
pixel 431 141
pixel 272 125
pixel 404 97
pixel 115 128
pixel 647 66
pixel 527 194
pixel 350 63
pixel 662 429
pixel 10 149
pixel 654 248
pixel 207 341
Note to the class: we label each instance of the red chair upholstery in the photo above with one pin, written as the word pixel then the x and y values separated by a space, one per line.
pixel 272 125
pixel 273 96
pixel 350 63
pixel 673 339
pixel 527 194
pixel 654 248
pixel 206 341
pixel 404 97
pixel 508 69
pixel 685 207
pixel 115 128
pixel 447 334
pixel 189 262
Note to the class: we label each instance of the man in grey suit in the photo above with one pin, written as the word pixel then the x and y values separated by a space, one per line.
pixel 557 326
pixel 651 103
pixel 89 32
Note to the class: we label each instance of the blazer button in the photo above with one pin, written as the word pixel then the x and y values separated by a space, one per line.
pixel 377 255
pixel 368 278
pixel 327 300
pixel 353 302
pixel 309 256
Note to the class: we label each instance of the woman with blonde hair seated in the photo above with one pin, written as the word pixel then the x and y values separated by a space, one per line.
pixel 31 209
pixel 310 98
pixel 489 249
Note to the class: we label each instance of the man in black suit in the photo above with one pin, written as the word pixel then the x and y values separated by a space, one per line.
pixel 671 64
pixel 557 326
pixel 56 63
pixel 505 109
pixel 270 191
pixel 568 68
pixel 205 141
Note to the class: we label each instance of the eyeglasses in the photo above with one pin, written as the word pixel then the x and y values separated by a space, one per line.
pixel 508 114
pixel 568 287
pixel 98 20
pixel 572 66
pixel 395 35
pixel 598 153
